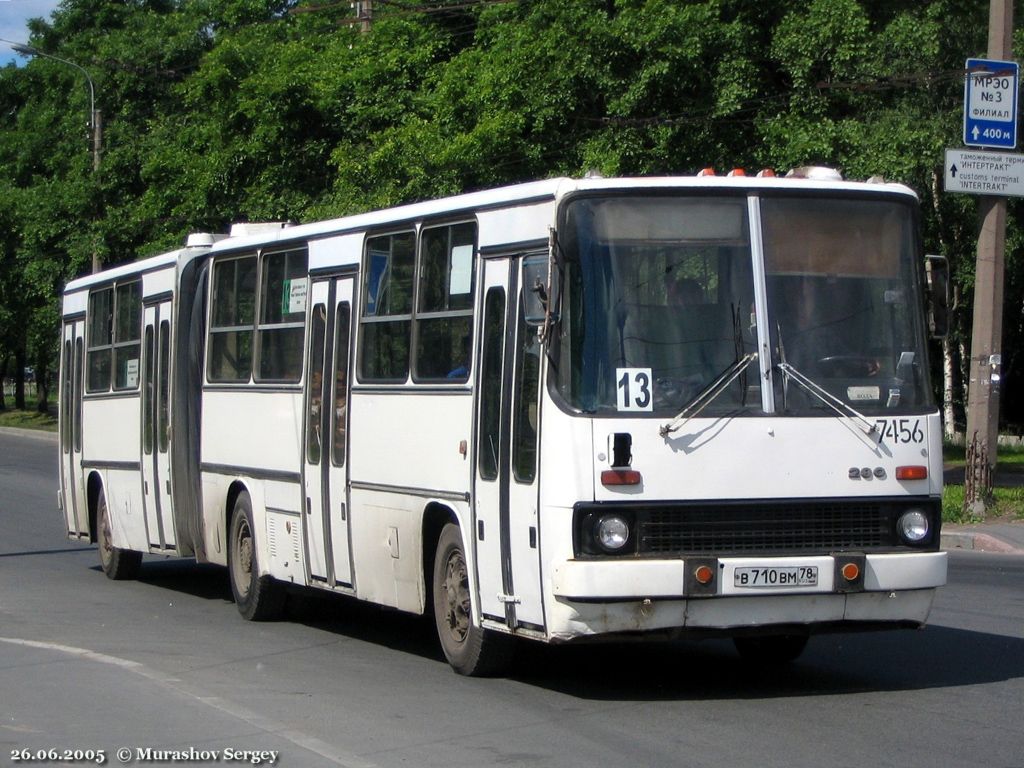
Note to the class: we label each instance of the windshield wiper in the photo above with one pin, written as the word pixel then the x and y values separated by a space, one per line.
pixel 708 394
pixel 842 408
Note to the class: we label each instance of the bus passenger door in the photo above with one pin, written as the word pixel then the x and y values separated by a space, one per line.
pixel 150 496
pixel 75 503
pixel 506 530
pixel 156 427
pixel 326 420
pixel 524 519
pixel 162 464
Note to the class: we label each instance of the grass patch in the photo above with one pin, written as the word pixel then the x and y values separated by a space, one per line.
pixel 27 420
pixel 1009 505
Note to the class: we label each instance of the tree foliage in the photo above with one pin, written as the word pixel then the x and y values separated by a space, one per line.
pixel 217 111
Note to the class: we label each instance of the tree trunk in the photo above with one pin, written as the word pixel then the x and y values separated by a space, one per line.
pixel 19 379
pixel 42 385
pixel 948 370
pixel 948 362
pixel 3 375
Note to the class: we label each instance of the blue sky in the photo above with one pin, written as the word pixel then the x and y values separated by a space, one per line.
pixel 13 15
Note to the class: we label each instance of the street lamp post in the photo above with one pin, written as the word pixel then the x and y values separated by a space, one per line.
pixel 95 119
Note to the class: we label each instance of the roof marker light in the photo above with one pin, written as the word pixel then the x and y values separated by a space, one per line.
pixel 736 172
pixel 709 171
pixel 815 173
pixel 766 173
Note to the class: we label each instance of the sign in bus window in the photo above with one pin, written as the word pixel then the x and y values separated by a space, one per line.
pixel 282 316
pixel 127 335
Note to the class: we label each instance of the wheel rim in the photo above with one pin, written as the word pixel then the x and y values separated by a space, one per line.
pixel 456 592
pixel 106 541
pixel 242 561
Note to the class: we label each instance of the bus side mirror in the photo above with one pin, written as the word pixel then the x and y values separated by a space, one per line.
pixel 937 271
pixel 539 289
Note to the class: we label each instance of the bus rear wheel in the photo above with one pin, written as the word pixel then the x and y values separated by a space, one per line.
pixel 118 564
pixel 258 598
pixel 469 649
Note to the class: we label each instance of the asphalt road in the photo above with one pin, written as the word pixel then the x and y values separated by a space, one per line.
pixel 167 664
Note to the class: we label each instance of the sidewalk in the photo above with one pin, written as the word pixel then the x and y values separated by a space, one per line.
pixel 1007 538
pixel 990 536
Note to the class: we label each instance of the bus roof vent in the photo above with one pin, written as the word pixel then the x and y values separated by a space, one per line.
pixel 815 173
pixel 202 239
pixel 244 229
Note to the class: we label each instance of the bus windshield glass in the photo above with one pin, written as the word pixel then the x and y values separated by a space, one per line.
pixel 844 303
pixel 658 302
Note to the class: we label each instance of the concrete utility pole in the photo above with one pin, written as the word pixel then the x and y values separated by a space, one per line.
pixel 986 337
pixel 364 14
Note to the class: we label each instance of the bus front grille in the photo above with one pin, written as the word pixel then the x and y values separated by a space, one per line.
pixel 774 527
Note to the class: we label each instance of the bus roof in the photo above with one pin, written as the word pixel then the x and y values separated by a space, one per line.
pixel 151 264
pixel 500 197
pixel 537 192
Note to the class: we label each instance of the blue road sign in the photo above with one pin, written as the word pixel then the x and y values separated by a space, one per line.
pixel 990 103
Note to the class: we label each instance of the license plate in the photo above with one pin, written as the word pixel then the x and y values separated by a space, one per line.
pixel 776 577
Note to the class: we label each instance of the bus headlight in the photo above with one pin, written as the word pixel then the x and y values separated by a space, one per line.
pixel 611 532
pixel 913 526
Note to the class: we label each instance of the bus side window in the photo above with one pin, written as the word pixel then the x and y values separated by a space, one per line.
pixel 524 403
pixel 341 343
pixel 163 423
pixel 490 382
pixel 444 305
pixel 387 308
pixel 100 339
pixel 315 388
pixel 65 399
pixel 282 316
pixel 231 320
pixel 148 393
pixel 127 334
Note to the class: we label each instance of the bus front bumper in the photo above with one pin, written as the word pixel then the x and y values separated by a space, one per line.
pixel 601 596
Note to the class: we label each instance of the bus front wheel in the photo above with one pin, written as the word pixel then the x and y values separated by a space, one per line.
pixel 259 598
pixel 118 564
pixel 469 649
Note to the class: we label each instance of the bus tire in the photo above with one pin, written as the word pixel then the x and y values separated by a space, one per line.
pixel 470 649
pixel 118 564
pixel 770 650
pixel 258 598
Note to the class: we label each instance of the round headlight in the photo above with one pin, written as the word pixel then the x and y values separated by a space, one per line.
pixel 612 532
pixel 913 526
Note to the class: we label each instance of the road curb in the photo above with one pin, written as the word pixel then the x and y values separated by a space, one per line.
pixel 977 542
pixel 38 434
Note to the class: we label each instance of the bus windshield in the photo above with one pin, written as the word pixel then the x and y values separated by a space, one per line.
pixel 661 285
pixel 659 302
pixel 844 303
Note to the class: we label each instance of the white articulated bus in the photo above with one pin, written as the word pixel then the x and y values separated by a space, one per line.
pixel 557 410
